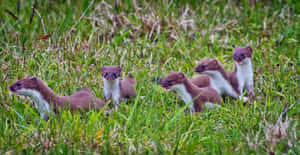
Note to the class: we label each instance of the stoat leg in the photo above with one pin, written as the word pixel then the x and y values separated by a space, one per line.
pixel 107 95
pixel 116 102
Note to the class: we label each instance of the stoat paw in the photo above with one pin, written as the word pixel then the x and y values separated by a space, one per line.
pixel 246 99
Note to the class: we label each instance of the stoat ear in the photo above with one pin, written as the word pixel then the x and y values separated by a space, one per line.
pixel 249 49
pixel 215 61
pixel 181 75
pixel 33 78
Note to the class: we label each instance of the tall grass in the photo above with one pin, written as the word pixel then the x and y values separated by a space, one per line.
pixel 149 39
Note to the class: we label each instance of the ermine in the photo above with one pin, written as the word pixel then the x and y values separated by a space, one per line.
pixel 243 69
pixel 190 93
pixel 117 89
pixel 44 98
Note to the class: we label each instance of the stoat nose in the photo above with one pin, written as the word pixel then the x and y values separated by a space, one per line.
pixel 198 69
pixel 11 88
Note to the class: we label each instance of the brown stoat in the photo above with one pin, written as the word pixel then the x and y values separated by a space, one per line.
pixel 220 80
pixel 117 89
pixel 44 97
pixel 243 69
pixel 190 93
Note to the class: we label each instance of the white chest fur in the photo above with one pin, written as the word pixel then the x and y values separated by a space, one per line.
pixel 40 103
pixel 185 96
pixel 244 74
pixel 112 89
pixel 220 84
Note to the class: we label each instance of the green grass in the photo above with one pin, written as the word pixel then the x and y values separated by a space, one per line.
pixel 86 35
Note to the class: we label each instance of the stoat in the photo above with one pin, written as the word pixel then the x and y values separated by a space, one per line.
pixel 190 93
pixel 117 89
pixel 243 69
pixel 44 98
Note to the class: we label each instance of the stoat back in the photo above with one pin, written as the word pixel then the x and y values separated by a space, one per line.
pixel 201 81
pixel 128 89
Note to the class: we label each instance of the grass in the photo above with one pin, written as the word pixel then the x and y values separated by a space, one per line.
pixel 149 39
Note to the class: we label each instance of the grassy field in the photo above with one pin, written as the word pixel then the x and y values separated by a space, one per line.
pixel 149 39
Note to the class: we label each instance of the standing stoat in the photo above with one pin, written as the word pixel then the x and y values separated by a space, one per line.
pixel 117 89
pixel 243 69
pixel 44 97
pixel 190 93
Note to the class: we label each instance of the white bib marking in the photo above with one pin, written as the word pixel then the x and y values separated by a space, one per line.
pixel 185 96
pixel 220 84
pixel 112 90
pixel 40 103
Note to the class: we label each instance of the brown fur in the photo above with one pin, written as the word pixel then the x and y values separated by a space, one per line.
pixel 83 100
pixel 200 95
pixel 128 88
pixel 201 81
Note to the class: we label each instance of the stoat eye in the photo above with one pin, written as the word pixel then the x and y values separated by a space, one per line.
pixel 105 75
pixel 242 54
pixel 169 81
pixel 19 84
pixel 203 66
pixel 114 75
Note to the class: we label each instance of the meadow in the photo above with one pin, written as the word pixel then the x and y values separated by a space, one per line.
pixel 149 39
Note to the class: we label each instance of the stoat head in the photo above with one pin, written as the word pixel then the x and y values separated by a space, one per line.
pixel 27 83
pixel 208 66
pixel 111 72
pixel 174 78
pixel 242 55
